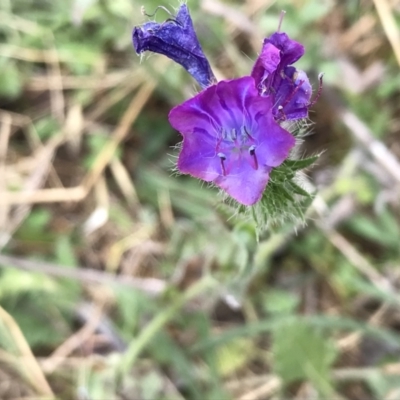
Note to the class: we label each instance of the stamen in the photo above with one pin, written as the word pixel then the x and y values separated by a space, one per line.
pixel 247 132
pixel 234 134
pixel 224 134
pixel 282 116
pixel 290 97
pixel 281 20
pixel 252 151
pixel 222 159
pixel 172 19
pixel 143 12
pixel 320 86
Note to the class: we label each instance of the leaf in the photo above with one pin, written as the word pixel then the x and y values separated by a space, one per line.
pixel 296 165
pixel 299 190
pixel 300 352
pixel 383 386
pixel 279 302
pixel 11 80
pixel 64 252
pixel 234 355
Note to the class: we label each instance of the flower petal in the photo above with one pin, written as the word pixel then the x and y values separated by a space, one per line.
pixel 266 63
pixel 293 94
pixel 247 185
pixel 275 146
pixel 191 114
pixel 198 156
pixel 290 50
pixel 176 39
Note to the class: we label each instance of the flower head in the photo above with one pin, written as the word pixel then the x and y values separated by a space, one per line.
pixel 275 76
pixel 230 138
pixel 176 39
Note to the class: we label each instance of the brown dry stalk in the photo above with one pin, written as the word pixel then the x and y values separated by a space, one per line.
pixel 108 151
pixel 73 342
pixel 29 365
pixel 79 192
pixel 5 132
pixel 151 286
pixel 389 25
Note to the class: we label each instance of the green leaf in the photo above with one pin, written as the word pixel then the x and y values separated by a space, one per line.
pixel 298 190
pixel 234 355
pixel 65 254
pixel 11 80
pixel 383 385
pixel 279 302
pixel 296 165
pixel 301 352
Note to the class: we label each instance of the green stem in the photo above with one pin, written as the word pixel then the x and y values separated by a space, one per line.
pixel 137 345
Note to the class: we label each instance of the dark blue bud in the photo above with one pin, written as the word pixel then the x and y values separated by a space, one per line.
pixel 176 39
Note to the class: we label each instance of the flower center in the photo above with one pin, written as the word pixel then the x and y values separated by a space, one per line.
pixel 235 145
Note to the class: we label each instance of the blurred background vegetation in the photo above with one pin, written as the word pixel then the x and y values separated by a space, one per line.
pixel 119 280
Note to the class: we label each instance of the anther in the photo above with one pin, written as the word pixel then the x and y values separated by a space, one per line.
pixel 252 151
pixel 282 116
pixel 320 86
pixel 247 132
pixel 223 134
pixel 172 19
pixel 222 159
pixel 143 11
pixel 290 97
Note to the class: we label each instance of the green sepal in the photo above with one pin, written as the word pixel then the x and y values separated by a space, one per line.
pixel 297 165
pixel 284 198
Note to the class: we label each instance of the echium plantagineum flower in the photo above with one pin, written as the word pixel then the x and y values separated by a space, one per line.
pixel 232 133
pixel 289 88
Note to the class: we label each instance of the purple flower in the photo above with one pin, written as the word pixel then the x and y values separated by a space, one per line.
pixel 230 138
pixel 288 87
pixel 176 39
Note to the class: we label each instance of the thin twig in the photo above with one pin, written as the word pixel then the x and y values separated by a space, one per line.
pixel 73 342
pixel 389 25
pixel 79 192
pixel 151 286
pixel 30 365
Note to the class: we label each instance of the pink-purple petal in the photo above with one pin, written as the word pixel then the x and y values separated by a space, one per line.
pixel 290 50
pixel 274 149
pixel 266 63
pixel 247 186
pixel 198 157
pixel 189 115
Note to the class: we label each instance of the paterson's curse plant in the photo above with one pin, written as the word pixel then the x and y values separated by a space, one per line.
pixel 235 132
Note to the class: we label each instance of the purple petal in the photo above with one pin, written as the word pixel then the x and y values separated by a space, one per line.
pixel 191 114
pixel 290 50
pixel 247 186
pixel 266 63
pixel 231 95
pixel 293 94
pixel 176 39
pixel 275 145
pixel 198 156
